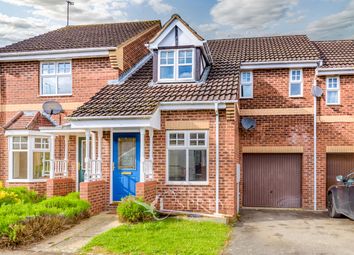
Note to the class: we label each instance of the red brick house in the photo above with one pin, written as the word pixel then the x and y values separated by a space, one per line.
pixel 171 116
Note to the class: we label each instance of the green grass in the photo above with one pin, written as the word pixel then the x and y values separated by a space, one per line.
pixel 171 236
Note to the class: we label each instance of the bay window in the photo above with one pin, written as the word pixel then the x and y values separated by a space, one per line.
pixel 187 157
pixel 29 158
pixel 56 78
pixel 176 65
pixel 332 91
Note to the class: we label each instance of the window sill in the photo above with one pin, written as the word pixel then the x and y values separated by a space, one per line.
pixel 57 95
pixel 246 97
pixel 26 180
pixel 169 183
pixel 333 105
pixel 296 96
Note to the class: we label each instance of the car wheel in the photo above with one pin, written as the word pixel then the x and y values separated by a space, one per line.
pixel 332 212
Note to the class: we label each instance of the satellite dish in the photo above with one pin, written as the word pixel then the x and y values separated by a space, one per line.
pixel 248 123
pixel 317 91
pixel 52 107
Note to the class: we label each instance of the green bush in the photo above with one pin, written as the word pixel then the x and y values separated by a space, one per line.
pixel 14 218
pixel 132 210
pixel 22 194
pixel 7 197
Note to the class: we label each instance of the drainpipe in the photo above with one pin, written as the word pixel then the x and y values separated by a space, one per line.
pixel 217 158
pixel 315 145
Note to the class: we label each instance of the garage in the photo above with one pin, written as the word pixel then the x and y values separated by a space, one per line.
pixel 338 164
pixel 272 180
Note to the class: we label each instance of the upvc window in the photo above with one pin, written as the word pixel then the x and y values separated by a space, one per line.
pixel 246 87
pixel 29 157
pixel 296 83
pixel 176 65
pixel 56 78
pixel 332 91
pixel 187 153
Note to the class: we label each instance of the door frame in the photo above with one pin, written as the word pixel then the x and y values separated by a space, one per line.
pixel 77 183
pixel 114 131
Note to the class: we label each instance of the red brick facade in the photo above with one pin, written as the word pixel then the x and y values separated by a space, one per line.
pixel 60 187
pixel 147 190
pixel 40 187
pixel 95 193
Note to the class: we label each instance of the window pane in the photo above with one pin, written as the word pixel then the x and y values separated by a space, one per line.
pixel 48 68
pixel 332 97
pixel 39 166
pixel 246 77
pixel 197 165
pixel 64 68
pixel 177 165
pixel 127 153
pixel 19 165
pixel 64 85
pixel 185 71
pixel 49 85
pixel 332 83
pixel 171 56
pixel 246 91
pixel 295 89
pixel 166 72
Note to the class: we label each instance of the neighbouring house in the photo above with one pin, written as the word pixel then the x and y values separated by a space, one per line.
pixel 164 114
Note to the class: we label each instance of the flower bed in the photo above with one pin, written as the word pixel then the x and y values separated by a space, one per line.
pixel 26 217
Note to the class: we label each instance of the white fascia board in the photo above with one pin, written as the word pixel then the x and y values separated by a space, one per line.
pixel 62 131
pixel 335 71
pixel 176 22
pixel 55 54
pixel 279 64
pixel 24 133
pixel 180 106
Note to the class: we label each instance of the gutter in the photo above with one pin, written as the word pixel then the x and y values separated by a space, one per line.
pixel 108 117
pixel 279 64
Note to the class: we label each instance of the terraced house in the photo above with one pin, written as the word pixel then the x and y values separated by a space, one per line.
pixel 162 113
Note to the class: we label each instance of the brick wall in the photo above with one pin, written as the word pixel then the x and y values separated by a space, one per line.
pixel 60 187
pixel 95 193
pixel 199 197
pixel 40 187
pixel 147 190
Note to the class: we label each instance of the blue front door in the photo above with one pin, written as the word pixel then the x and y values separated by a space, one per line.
pixel 126 164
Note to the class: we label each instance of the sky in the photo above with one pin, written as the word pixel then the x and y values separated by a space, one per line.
pixel 319 19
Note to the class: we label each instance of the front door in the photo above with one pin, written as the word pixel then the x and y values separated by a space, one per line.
pixel 82 156
pixel 126 164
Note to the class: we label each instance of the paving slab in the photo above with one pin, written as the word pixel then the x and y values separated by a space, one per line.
pixel 71 240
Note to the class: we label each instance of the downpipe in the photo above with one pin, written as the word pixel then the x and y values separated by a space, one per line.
pixel 217 158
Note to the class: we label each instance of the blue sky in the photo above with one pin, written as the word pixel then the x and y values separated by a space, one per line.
pixel 320 19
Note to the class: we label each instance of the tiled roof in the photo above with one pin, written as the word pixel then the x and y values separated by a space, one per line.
pixel 137 96
pixel 84 36
pixel 338 53
pixel 28 121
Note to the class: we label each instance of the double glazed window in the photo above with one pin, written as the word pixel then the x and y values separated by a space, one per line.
pixel 332 91
pixel 187 156
pixel 29 157
pixel 176 65
pixel 56 78
pixel 246 88
pixel 295 86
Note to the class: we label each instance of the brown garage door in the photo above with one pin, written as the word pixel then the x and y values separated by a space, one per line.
pixel 272 180
pixel 338 164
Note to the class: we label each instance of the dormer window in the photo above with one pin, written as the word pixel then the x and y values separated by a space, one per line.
pixel 176 65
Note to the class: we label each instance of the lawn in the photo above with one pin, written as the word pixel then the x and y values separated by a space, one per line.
pixel 171 236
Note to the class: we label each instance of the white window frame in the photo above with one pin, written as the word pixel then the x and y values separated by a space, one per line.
pixel 30 150
pixel 246 84
pixel 55 75
pixel 331 89
pixel 187 147
pixel 296 81
pixel 176 66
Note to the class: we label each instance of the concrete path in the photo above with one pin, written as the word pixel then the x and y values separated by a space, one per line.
pixel 70 241
pixel 290 232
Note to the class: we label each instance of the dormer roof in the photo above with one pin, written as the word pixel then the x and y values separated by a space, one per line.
pixel 172 23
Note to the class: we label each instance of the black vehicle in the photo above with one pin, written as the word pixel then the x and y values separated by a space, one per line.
pixel 340 199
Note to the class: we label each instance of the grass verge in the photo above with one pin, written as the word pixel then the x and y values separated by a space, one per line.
pixel 171 236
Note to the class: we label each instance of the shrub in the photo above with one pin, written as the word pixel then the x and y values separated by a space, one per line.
pixel 132 210
pixel 23 223
pixel 8 197
pixel 24 195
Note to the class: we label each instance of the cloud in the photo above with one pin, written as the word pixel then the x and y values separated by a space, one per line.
pixel 339 25
pixel 250 14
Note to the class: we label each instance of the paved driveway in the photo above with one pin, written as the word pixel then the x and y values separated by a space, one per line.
pixel 291 232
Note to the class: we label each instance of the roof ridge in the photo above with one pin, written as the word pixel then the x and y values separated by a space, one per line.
pixel 334 40
pixel 257 37
pixel 111 23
